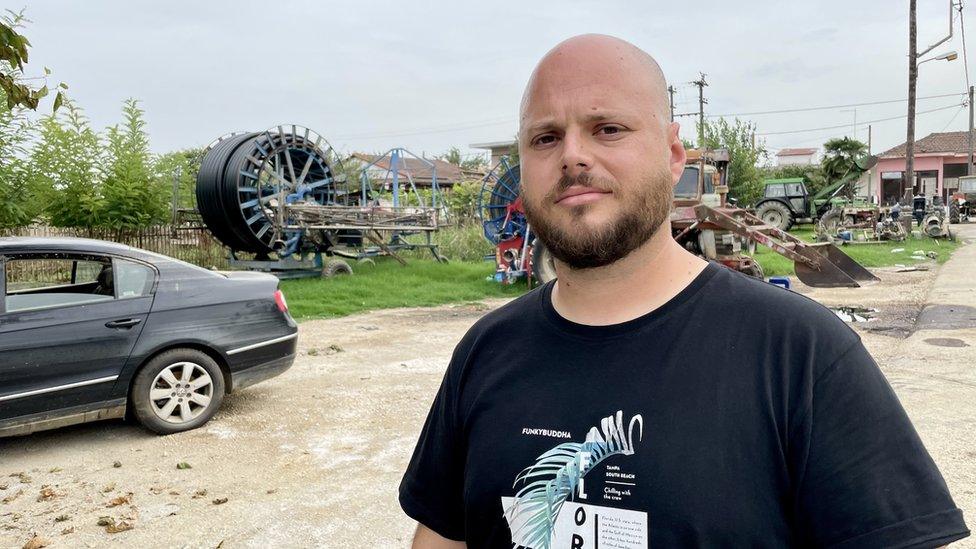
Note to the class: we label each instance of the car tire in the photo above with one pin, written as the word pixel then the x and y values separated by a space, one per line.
pixel 775 214
pixel 168 413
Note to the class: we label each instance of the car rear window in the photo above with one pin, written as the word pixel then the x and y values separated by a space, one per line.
pixel 40 281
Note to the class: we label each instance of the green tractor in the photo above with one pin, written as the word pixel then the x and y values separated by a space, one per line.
pixel 786 202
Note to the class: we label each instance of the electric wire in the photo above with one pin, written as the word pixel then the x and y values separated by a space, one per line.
pixel 864 123
pixel 828 107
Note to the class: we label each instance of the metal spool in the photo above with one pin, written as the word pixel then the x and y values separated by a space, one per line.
pixel 246 180
pixel 499 190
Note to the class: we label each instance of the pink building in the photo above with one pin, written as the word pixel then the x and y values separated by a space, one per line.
pixel 940 158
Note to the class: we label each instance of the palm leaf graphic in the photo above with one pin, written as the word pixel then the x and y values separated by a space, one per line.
pixel 556 474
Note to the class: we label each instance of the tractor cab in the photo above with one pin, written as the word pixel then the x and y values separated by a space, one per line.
pixel 792 192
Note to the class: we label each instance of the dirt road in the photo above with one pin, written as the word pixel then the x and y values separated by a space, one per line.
pixel 313 458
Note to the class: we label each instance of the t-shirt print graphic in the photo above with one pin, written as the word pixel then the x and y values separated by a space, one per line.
pixel 542 515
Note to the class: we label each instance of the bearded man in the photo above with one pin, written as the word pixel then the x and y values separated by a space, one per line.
pixel 647 398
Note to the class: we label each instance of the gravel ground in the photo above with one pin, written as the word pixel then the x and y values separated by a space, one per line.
pixel 313 457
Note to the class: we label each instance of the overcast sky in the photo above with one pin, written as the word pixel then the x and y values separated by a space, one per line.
pixel 430 75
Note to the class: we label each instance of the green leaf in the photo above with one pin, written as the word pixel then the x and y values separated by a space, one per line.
pixel 58 100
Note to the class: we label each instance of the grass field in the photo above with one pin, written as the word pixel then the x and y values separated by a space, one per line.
pixel 387 284
pixel 884 254
pixel 423 283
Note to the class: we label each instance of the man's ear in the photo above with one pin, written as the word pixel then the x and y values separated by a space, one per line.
pixel 678 154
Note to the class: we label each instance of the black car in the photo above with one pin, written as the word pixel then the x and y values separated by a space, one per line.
pixel 95 330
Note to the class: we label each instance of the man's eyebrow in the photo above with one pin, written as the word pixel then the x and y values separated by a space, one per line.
pixel 549 124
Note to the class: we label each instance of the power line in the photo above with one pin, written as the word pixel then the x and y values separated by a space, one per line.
pixel 829 107
pixel 432 129
pixel 953 119
pixel 865 123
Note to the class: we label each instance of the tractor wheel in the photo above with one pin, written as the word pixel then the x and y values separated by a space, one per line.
pixel 335 267
pixel 830 222
pixel 776 215
pixel 543 265
pixel 954 216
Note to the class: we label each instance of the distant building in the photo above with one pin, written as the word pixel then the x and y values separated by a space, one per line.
pixel 422 175
pixel 940 158
pixel 498 149
pixel 796 157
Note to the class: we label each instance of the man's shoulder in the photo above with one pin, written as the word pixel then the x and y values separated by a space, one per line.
pixel 523 309
pixel 775 310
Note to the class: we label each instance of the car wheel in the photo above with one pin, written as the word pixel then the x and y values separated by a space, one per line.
pixel 180 389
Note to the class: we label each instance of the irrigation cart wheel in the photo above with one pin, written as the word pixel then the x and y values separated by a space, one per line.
pixel 543 265
pixel 336 267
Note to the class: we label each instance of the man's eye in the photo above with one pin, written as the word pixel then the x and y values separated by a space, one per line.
pixel 545 139
pixel 609 130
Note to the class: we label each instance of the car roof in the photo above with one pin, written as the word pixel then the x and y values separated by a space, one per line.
pixel 785 180
pixel 67 243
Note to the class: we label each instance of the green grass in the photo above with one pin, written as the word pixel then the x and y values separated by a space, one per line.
pixel 868 255
pixel 387 284
pixel 424 283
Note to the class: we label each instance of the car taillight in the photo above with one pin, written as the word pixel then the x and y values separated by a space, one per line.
pixel 280 301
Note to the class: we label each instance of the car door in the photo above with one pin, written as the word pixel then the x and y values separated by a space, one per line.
pixel 796 193
pixel 65 332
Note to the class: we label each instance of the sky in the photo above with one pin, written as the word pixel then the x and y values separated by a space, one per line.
pixel 427 76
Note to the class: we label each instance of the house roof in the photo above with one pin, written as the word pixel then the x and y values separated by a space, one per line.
pixel 447 174
pixel 946 142
pixel 494 144
pixel 796 152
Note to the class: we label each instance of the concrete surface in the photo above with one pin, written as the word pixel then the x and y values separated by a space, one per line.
pixel 313 458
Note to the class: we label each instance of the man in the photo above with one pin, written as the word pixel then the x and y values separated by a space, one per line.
pixel 648 398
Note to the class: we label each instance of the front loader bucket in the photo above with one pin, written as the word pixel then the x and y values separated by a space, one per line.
pixel 837 270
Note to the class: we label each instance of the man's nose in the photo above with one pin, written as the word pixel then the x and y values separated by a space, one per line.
pixel 576 156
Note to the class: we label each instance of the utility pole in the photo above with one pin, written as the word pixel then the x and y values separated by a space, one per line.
pixel 969 165
pixel 701 83
pixel 671 95
pixel 871 171
pixel 913 55
pixel 912 77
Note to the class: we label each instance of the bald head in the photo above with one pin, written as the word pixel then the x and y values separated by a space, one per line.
pixel 599 59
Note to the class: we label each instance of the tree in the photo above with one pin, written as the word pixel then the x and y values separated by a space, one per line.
pixel 16 207
pixel 13 57
pixel 133 195
pixel 64 169
pixel 473 164
pixel 839 157
pixel 745 155
pixel 185 165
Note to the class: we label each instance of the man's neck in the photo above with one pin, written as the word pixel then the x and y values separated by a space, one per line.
pixel 628 288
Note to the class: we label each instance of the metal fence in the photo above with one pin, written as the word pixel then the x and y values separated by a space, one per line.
pixel 192 244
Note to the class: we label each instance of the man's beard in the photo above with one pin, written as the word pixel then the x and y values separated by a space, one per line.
pixel 583 248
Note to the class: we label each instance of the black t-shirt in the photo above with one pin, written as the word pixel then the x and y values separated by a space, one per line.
pixel 737 414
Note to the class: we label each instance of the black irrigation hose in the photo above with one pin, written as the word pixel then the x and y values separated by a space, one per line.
pixel 210 183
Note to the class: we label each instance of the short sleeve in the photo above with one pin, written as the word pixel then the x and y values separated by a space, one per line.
pixel 431 491
pixel 861 474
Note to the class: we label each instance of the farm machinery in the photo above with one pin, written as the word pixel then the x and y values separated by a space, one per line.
pixel 280 201
pixel 787 201
pixel 962 203
pixel 702 220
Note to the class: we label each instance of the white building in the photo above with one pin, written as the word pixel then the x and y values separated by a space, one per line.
pixel 796 157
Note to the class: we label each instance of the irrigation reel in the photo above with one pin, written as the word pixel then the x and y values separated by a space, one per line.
pixel 518 254
pixel 281 197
